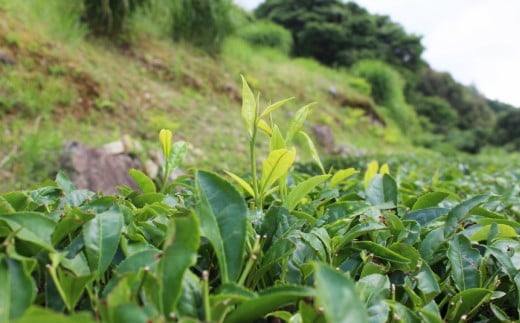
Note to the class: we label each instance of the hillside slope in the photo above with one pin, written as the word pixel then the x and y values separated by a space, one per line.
pixel 64 86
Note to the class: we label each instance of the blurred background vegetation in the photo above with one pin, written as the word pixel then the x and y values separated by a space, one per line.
pixel 96 69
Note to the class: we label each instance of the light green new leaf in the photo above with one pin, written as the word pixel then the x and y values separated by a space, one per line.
pixel 262 125
pixel 382 252
pixel 302 189
pixel 32 227
pixel 314 152
pixel 101 236
pixel 371 171
pixel 465 262
pixel 275 166
pixel 64 183
pixel 274 106
pixel 223 214
pixel 245 185
pixel 249 108
pixel 337 295
pixel 144 182
pixel 180 253
pixel 297 122
pixel 341 175
pixel 277 141
pixel 177 155
pixel 504 231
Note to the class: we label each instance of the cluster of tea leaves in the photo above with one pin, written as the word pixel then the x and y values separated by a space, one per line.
pixel 403 241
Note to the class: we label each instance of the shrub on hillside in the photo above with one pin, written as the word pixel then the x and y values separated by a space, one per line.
pixel 438 111
pixel 203 23
pixel 387 90
pixel 109 17
pixel 268 34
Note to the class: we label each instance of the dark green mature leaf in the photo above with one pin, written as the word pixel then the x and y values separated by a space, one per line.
pixel 18 289
pixel 223 215
pixel 33 227
pixel 464 262
pixel 337 295
pixel 427 283
pixel 373 289
pixel 432 243
pixel 429 200
pixel 144 182
pixel 268 301
pixel 73 286
pixel 382 189
pixel 461 211
pixel 465 301
pixel 73 219
pixel 359 230
pixel 426 216
pixel 402 313
pixel 64 183
pixel 180 253
pixel 101 236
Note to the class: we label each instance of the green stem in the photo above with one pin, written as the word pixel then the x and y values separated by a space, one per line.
pixel 250 262
pixel 207 306
pixel 252 156
pixel 54 276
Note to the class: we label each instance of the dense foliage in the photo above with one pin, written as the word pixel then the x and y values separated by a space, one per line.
pixel 402 242
pixel 267 34
pixel 202 23
pixel 109 17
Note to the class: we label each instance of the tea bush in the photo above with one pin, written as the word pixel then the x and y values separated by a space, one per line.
pixel 268 34
pixel 393 242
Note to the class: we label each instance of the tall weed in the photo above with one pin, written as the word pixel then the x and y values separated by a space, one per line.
pixel 387 90
pixel 203 23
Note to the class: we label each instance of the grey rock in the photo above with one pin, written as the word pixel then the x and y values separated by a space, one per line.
pixel 5 58
pixel 95 169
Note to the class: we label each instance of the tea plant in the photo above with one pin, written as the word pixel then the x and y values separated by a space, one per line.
pixel 338 246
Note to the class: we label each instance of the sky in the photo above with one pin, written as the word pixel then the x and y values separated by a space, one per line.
pixel 477 41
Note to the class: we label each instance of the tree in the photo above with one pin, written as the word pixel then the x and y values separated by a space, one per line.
pixel 336 33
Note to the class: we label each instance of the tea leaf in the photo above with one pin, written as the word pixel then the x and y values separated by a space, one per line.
pixel 275 106
pixel 275 166
pixel 302 189
pixel 249 108
pixel 245 185
pixel 465 262
pixel 144 182
pixel 101 236
pixel 223 214
pixel 337 295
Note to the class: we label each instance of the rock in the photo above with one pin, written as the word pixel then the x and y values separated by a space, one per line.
pixel 151 169
pixel 324 137
pixel 114 148
pixel 96 169
pixel 5 58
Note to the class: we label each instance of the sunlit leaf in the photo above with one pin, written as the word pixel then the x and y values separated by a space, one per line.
pixel 249 108
pixel 275 166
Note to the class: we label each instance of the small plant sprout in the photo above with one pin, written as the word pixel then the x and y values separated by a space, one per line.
pixel 173 154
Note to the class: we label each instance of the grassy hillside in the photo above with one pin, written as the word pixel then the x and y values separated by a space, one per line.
pixel 65 85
